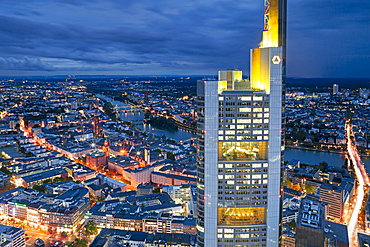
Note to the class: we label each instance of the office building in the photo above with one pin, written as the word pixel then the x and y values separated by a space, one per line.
pixel 335 197
pixel 310 224
pixel 114 237
pixel 313 230
pixel 335 88
pixel 11 236
pixel 48 212
pixel 240 143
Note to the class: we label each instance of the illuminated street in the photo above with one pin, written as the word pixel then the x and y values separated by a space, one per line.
pixel 362 180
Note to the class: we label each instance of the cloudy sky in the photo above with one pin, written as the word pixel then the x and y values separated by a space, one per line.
pixel 326 38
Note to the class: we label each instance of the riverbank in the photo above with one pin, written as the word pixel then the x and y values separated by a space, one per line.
pixel 314 149
pixel 137 118
pixel 320 150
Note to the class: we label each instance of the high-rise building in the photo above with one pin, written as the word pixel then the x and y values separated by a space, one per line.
pixel 240 145
pixel 335 88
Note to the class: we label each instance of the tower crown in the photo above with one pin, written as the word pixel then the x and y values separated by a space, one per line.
pixel 274 23
pixel 271 52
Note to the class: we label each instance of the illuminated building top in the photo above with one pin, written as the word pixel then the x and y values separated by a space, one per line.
pixel 273 36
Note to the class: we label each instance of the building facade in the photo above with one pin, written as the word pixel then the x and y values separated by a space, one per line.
pixel 240 145
pixel 48 212
pixel 12 236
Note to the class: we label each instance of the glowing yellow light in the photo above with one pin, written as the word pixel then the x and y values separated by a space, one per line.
pixel 18 182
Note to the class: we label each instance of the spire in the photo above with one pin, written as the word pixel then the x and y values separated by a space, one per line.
pixel 274 24
pixel 272 47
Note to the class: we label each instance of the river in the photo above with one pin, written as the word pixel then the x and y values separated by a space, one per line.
pixel 314 157
pixel 305 156
pixel 137 118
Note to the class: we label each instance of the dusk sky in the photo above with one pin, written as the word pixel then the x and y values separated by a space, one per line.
pixel 326 38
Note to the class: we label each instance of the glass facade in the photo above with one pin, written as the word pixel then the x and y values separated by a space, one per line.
pixel 242 151
pixel 241 216
pixel 240 146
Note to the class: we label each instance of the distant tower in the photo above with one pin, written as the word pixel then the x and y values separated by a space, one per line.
pixel 335 88
pixel 95 125
pixel 12 124
pixel 106 148
pixel 146 97
pixel 147 155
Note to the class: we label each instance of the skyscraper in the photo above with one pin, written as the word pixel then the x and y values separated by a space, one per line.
pixel 335 88
pixel 240 139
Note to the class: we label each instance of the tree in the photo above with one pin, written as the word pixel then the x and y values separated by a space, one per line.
pixel 57 179
pixel 292 224
pixel 296 187
pixel 80 242
pixel 6 171
pixel 157 190
pixel 310 189
pixel 323 165
pixel 91 228
pixel 39 188
pixel 100 199
pixel 170 156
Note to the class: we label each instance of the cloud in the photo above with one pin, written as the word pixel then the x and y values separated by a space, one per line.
pixel 190 36
pixel 25 63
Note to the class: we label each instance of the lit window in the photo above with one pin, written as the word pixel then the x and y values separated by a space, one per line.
pixel 244 235
pixel 257 98
pixel 245 109
pixel 242 150
pixel 243 120
pixel 241 216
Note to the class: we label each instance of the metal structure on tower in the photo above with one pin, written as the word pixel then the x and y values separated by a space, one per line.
pixel 266 25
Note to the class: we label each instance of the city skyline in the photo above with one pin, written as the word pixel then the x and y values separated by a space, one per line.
pixel 95 38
